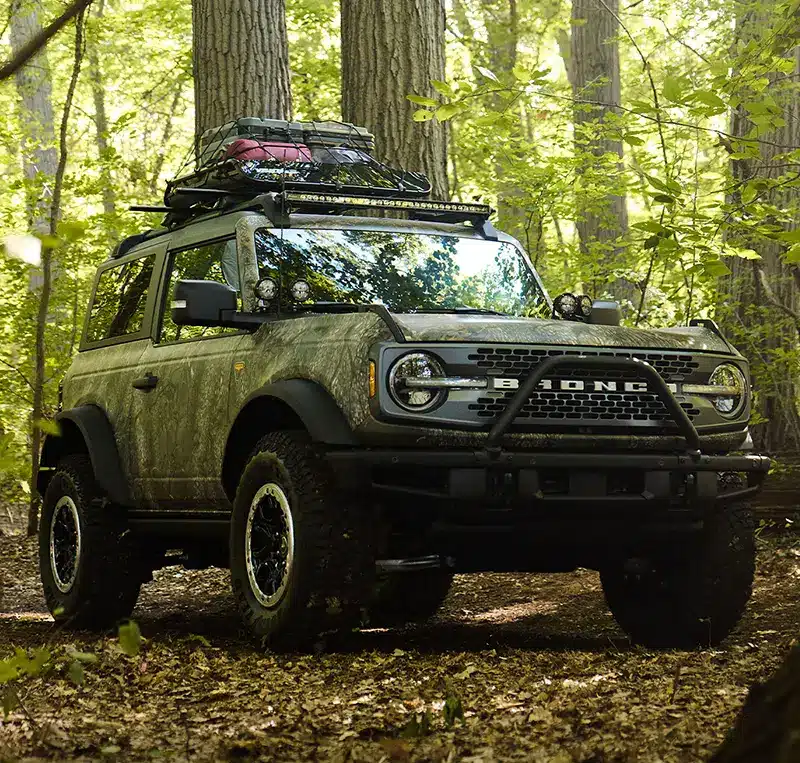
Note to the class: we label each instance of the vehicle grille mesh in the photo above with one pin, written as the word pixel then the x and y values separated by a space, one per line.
pixel 600 407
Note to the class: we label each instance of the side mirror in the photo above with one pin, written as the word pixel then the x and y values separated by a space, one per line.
pixel 203 303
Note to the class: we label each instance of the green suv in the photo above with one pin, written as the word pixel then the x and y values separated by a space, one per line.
pixel 348 410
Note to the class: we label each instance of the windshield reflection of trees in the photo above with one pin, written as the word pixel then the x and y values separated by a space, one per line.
pixel 406 272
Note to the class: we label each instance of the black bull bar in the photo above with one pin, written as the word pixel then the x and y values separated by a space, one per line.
pixel 464 464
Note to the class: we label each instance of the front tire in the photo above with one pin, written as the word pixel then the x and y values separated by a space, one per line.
pixel 692 596
pixel 87 558
pixel 297 552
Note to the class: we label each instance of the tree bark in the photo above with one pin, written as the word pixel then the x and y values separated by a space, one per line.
pixel 593 71
pixel 391 49
pixel 240 61
pixel 761 301
pixel 40 165
pixel 101 123
pixel 34 87
pixel 768 728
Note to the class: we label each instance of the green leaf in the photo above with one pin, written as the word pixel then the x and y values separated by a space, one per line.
pixel 488 73
pixel 130 638
pixel 83 656
pixel 422 115
pixel 663 198
pixel 716 268
pixel 9 701
pixel 656 183
pixel 633 140
pixel 442 87
pixel 449 110
pixel 673 89
pixel 709 98
pixel 452 710
pixel 521 74
pixel 422 100
pixel 48 427
pixel 790 236
pixel 792 256
pixel 76 673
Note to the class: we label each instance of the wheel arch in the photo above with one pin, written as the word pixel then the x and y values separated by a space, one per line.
pixel 86 429
pixel 282 405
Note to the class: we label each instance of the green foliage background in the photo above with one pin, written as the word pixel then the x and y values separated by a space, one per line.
pixel 684 69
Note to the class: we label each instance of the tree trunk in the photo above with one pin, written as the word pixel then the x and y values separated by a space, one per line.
pixel 593 70
pixel 391 49
pixel 34 86
pixel 101 123
pixel 759 310
pixel 40 163
pixel 768 728
pixel 240 61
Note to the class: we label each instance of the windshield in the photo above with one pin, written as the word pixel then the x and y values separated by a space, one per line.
pixel 406 272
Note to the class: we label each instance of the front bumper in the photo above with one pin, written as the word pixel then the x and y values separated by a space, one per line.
pixel 551 479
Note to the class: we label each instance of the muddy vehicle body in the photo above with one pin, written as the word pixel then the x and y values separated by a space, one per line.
pixel 348 410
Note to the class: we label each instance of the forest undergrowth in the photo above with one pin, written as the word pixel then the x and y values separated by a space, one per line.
pixel 515 667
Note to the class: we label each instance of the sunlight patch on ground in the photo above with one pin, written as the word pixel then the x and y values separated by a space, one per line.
pixel 26 616
pixel 516 612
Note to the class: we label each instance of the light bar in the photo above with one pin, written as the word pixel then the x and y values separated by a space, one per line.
pixel 363 201
pixel 711 389
pixel 444 382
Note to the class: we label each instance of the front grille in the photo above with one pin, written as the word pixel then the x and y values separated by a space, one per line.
pixel 584 406
pixel 518 360
pixel 599 407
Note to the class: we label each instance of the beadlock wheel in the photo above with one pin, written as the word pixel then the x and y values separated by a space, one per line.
pixel 65 543
pixel 269 544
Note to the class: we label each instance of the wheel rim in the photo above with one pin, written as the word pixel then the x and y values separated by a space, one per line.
pixel 65 543
pixel 269 544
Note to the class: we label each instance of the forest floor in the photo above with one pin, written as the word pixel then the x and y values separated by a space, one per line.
pixel 538 664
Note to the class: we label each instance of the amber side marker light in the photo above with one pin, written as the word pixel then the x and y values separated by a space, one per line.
pixel 372 382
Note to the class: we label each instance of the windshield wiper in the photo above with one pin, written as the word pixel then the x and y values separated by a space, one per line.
pixel 466 310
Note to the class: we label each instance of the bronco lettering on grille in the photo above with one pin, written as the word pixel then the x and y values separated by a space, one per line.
pixel 580 385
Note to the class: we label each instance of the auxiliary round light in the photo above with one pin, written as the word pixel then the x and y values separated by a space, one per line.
pixel 566 305
pixel 267 289
pixel 585 304
pixel 416 365
pixel 729 375
pixel 301 291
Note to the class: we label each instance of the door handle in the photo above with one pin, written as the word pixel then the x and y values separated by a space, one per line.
pixel 148 381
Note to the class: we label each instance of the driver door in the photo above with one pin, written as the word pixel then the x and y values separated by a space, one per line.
pixel 184 417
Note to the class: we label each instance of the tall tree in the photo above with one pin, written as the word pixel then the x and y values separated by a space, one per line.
pixel 391 48
pixel 593 70
pixel 101 117
pixel 40 166
pixel 241 61
pixel 765 294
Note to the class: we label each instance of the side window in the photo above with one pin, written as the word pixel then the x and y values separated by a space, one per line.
pixel 210 262
pixel 120 299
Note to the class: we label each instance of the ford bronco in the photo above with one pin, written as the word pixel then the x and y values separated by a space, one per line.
pixel 346 410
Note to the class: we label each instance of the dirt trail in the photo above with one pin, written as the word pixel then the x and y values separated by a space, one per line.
pixel 538 664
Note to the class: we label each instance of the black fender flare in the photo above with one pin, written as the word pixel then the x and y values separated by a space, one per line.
pixel 314 406
pixel 95 429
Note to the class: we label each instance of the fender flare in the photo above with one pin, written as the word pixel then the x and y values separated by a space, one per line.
pixel 101 445
pixel 314 406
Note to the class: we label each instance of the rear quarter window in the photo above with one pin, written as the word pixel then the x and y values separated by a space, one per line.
pixel 120 299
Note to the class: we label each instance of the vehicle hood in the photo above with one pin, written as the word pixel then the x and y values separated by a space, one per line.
pixel 448 327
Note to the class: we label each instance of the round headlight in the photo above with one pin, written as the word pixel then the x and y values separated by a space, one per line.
pixel 730 403
pixel 585 303
pixel 301 291
pixel 266 289
pixel 416 366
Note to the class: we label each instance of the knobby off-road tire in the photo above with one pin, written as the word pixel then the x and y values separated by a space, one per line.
pixel 100 586
pixel 408 597
pixel 693 596
pixel 304 567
